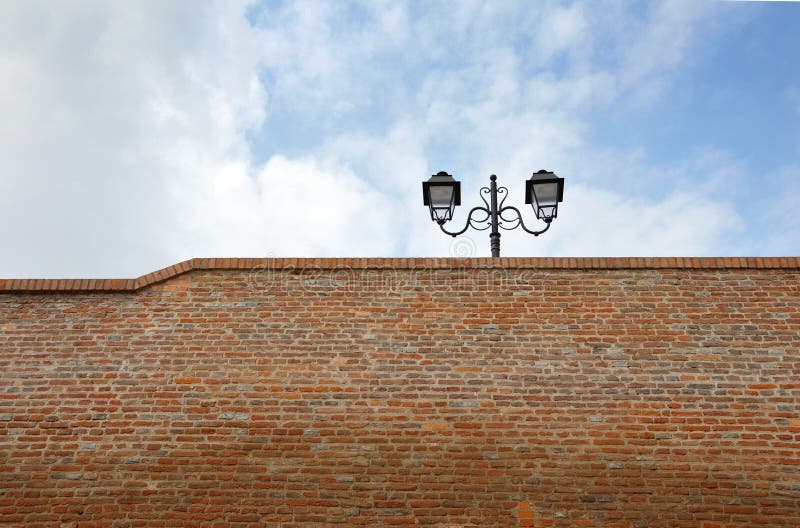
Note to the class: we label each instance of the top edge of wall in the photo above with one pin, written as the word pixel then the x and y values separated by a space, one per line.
pixel 254 264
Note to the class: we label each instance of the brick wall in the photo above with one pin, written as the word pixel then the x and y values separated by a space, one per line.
pixel 427 392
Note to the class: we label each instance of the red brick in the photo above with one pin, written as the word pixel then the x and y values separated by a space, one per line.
pixel 618 392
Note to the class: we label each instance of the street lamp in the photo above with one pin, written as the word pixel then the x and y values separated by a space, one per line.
pixel 441 193
pixel 544 191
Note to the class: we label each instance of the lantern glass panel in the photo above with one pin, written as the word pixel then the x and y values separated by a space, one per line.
pixel 441 195
pixel 546 193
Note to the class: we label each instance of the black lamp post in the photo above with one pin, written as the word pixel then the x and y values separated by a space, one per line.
pixel 544 191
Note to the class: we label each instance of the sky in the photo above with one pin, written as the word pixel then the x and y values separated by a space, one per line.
pixel 134 135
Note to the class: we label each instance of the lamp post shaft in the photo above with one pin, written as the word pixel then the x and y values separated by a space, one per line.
pixel 494 236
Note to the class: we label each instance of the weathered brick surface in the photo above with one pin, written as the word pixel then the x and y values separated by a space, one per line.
pixel 451 394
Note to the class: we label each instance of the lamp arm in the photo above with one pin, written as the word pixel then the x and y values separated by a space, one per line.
pixel 469 222
pixel 521 222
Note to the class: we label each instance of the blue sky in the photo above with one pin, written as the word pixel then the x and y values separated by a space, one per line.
pixel 139 134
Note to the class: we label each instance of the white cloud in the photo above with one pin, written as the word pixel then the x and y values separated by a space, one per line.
pixel 603 223
pixel 125 143
pixel 290 208
pixel 124 147
pixel 560 30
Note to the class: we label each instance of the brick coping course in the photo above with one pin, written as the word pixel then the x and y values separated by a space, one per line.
pixel 579 263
